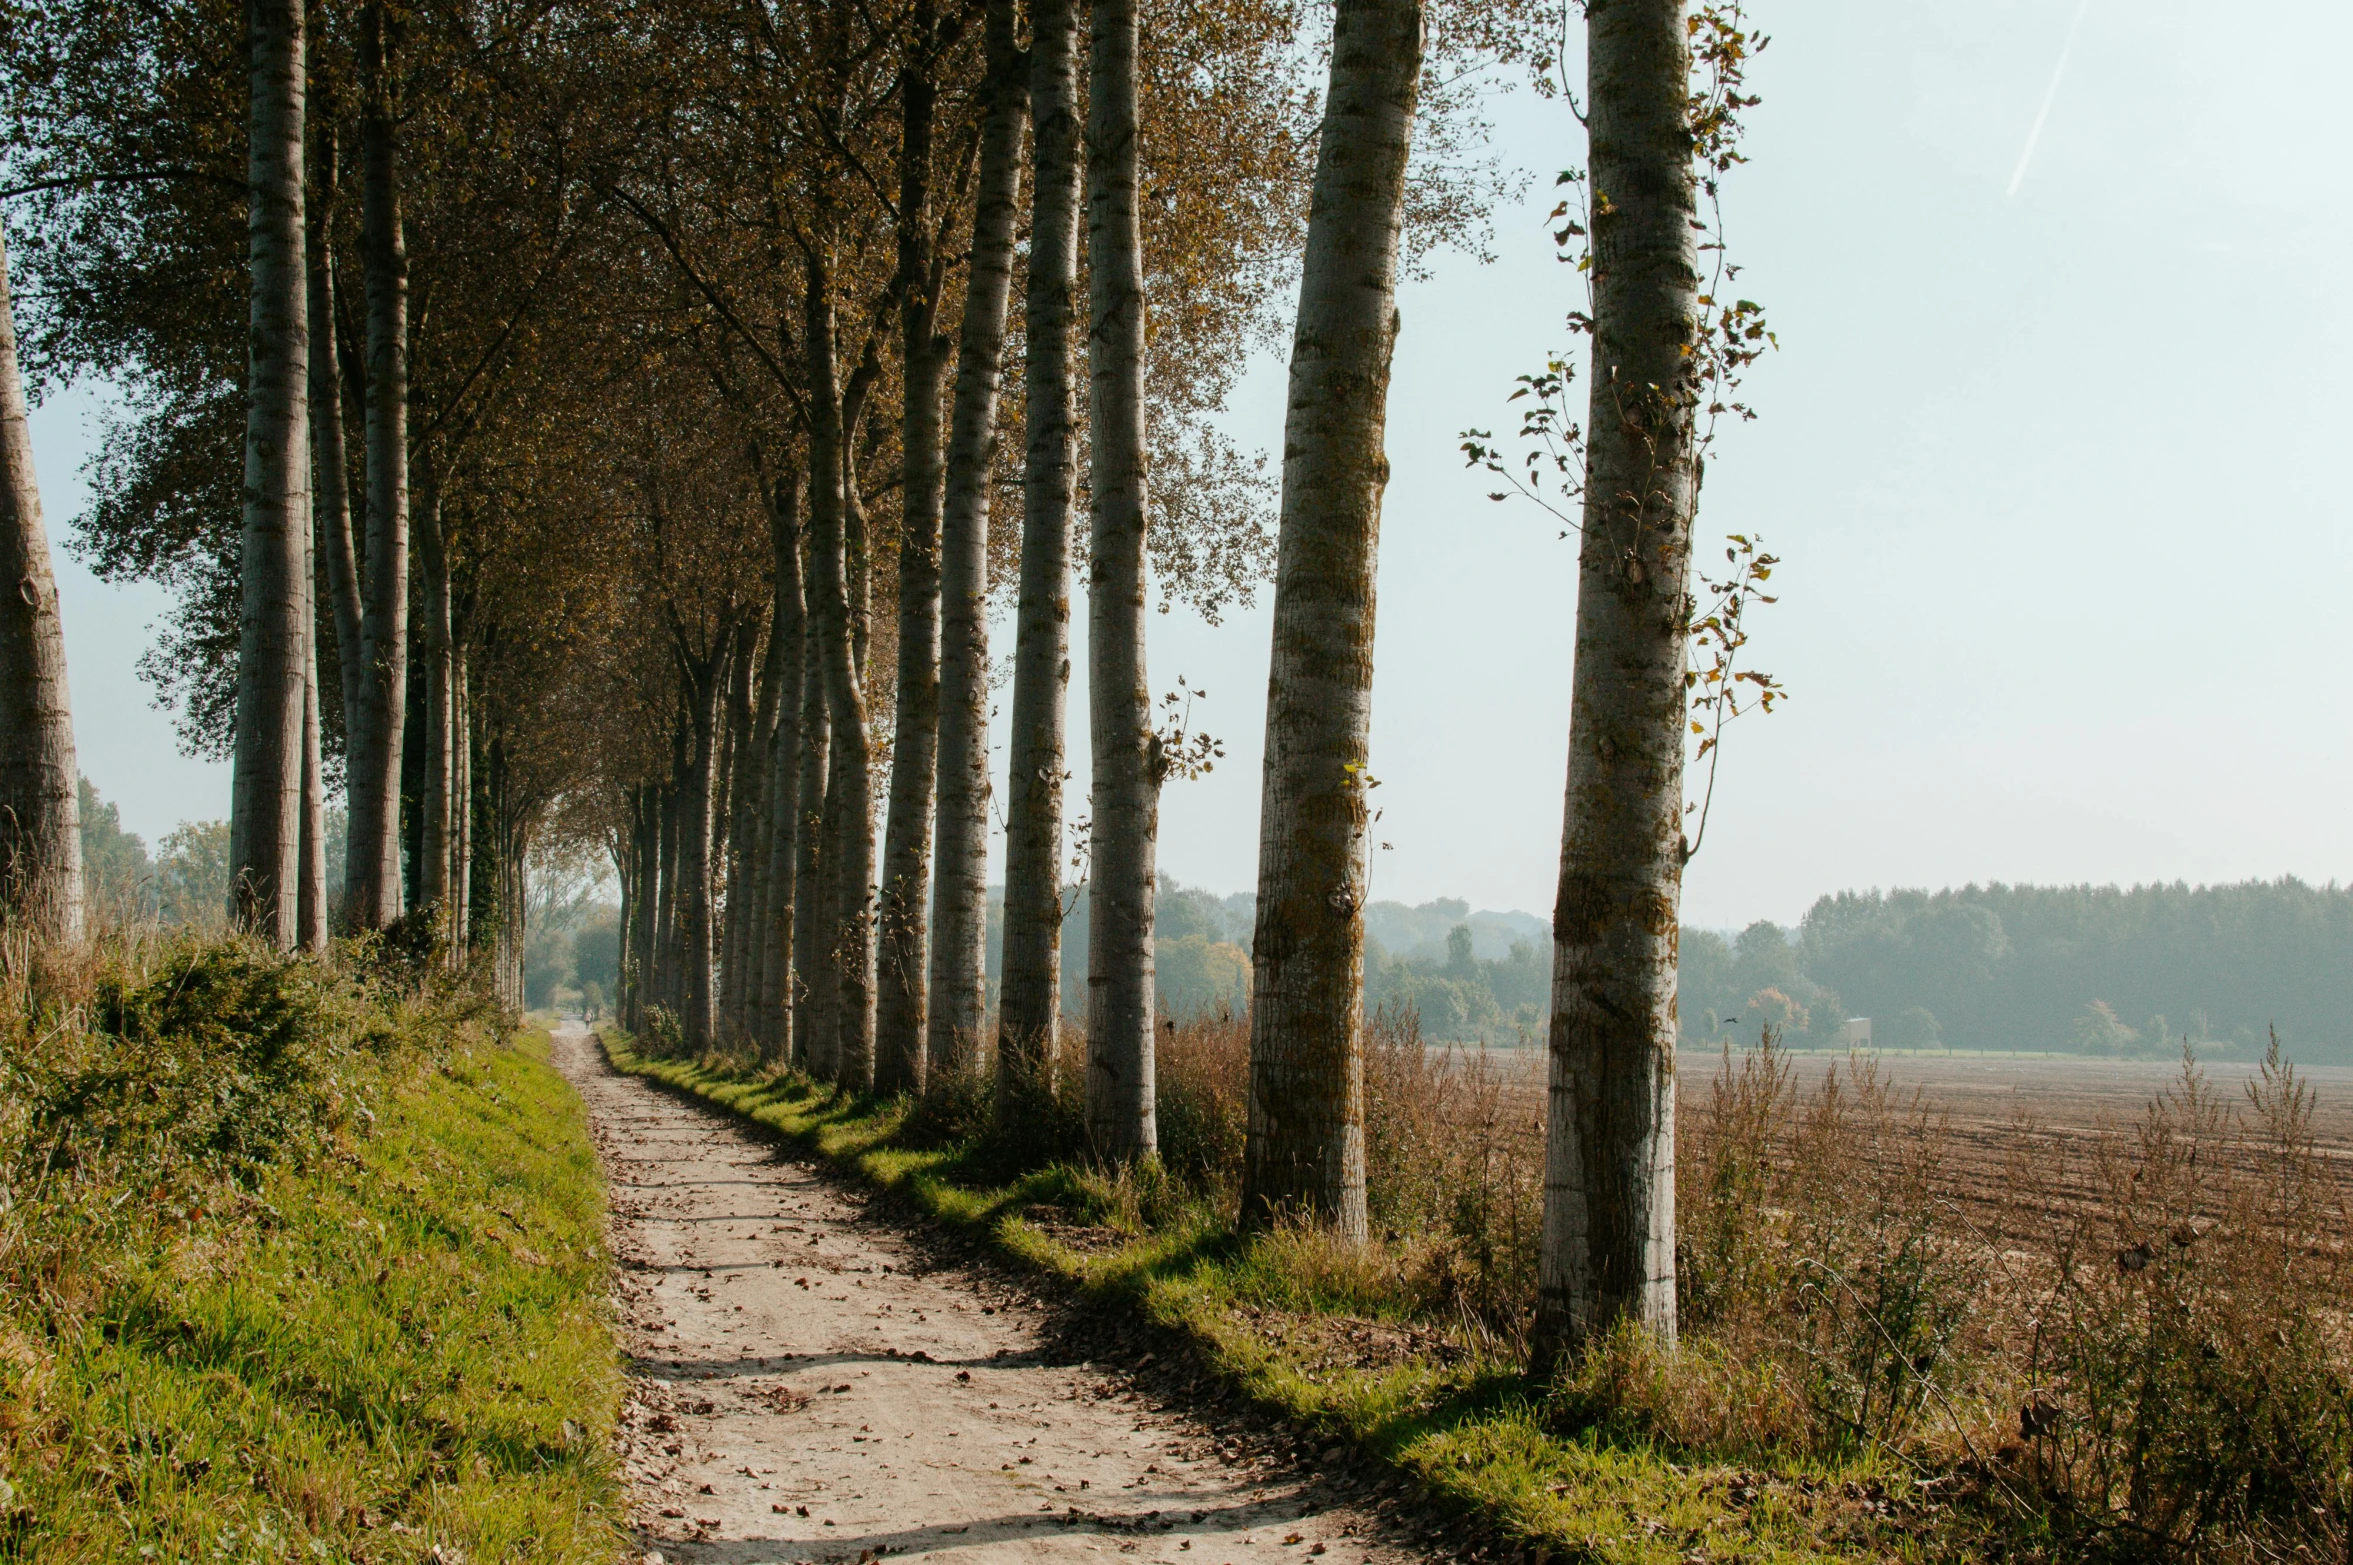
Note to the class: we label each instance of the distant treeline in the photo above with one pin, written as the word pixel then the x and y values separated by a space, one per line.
pixel 2099 969
pixel 2096 969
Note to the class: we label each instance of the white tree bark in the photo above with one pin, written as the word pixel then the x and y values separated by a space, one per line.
pixel 1608 1245
pixel 778 986
pixel 40 804
pixel 1305 1151
pixel 1121 1119
pixel 329 459
pixel 812 1043
pixel 845 989
pixel 900 935
pixel 1029 1000
pixel 435 859
pixel 959 934
pixel 266 780
pixel 379 723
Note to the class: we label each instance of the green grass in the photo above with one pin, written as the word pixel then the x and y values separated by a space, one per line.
pixel 1275 1315
pixel 399 1346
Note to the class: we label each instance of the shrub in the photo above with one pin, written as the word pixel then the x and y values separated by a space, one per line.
pixel 143 1080
pixel 1816 1254
pixel 2190 1358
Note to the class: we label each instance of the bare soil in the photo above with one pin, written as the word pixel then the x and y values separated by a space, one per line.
pixel 811 1380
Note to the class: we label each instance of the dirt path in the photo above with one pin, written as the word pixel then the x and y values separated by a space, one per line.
pixel 806 1384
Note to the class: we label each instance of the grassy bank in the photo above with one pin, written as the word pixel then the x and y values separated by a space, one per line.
pixel 1356 1345
pixel 299 1265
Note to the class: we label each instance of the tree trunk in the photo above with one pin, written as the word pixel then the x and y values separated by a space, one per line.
pixel 787 820
pixel 743 789
pixel 1608 1248
pixel 812 1043
pixel 40 802
pixel 960 914
pixel 1121 1122
pixel 1305 1150
pixel 706 689
pixel 757 820
pixel 265 803
pixel 666 977
pixel 311 908
pixel 906 854
pixel 645 849
pixel 846 987
pixel 461 800
pixel 329 460
pixel 435 889
pixel 378 722
pixel 413 750
pixel 1030 997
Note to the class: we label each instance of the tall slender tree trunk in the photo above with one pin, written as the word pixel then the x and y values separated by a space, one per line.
pixel 1121 1121
pixel 847 985
pixel 265 804
pixel 666 941
pixel 330 461
pixel 378 722
pixel 413 750
pixel 899 1038
pixel 786 819
pixel 1029 1000
pixel 461 797
pixel 814 1036
pixel 1608 1245
pixel 960 913
pixel 645 850
pixel 40 800
pixel 706 690
pixel 435 888
pixel 757 820
pixel 743 777
pixel 1305 1149
pixel 311 909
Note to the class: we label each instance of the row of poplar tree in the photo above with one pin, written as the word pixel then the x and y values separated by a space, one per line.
pixel 608 420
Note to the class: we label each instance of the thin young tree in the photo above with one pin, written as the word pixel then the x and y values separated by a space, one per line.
pixel 40 819
pixel 1121 1122
pixel 959 935
pixel 704 661
pixel 1030 995
pixel 899 1035
pixel 330 460
pixel 788 630
pixel 378 724
pixel 812 1046
pixel 1608 1246
pixel 845 1012
pixel 1305 1148
pixel 266 782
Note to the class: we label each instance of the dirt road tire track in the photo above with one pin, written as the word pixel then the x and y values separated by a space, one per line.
pixel 809 1380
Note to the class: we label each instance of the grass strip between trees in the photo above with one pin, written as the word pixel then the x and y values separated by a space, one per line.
pixel 1284 1318
pixel 393 1350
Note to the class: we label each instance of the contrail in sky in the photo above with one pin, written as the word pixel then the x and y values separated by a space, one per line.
pixel 2026 154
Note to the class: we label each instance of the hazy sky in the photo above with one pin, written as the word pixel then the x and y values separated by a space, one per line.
pixel 2052 474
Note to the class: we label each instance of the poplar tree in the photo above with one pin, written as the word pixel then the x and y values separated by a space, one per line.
pixel 1305 1140
pixel 378 726
pixel 1127 765
pixel 266 787
pixel 1030 992
pixel 899 1034
pixel 40 821
pixel 959 974
pixel 1608 1247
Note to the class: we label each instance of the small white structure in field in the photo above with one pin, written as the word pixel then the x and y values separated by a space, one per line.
pixel 1856 1034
